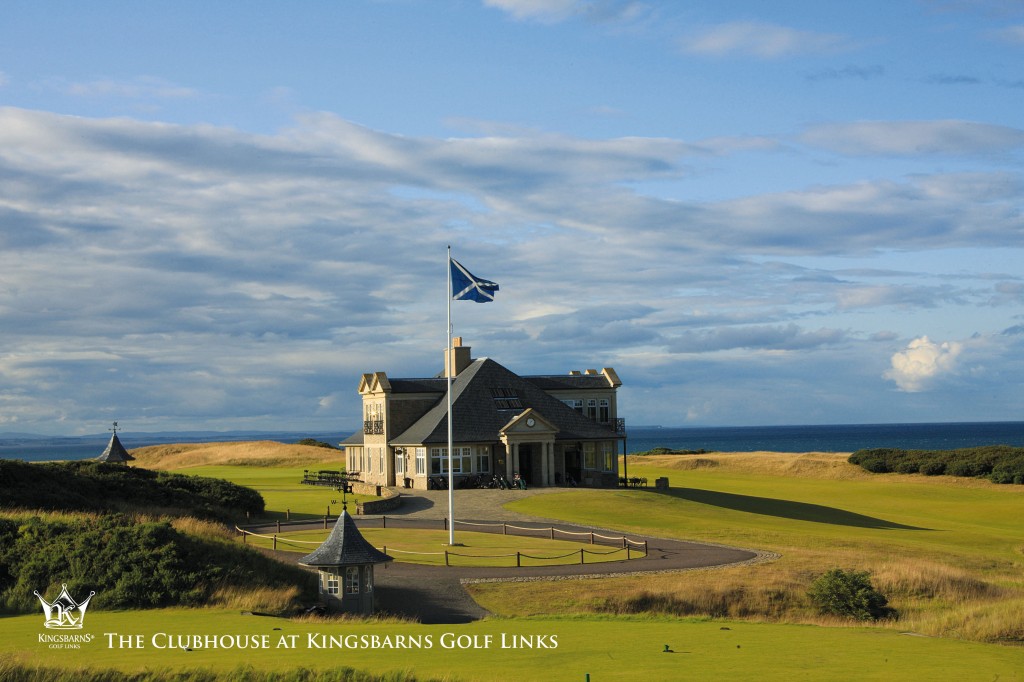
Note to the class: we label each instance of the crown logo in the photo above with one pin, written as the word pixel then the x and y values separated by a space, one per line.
pixel 64 613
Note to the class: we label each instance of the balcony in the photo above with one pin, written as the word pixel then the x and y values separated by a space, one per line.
pixel 373 427
pixel 619 425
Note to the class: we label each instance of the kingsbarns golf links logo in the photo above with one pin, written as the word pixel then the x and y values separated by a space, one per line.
pixel 64 613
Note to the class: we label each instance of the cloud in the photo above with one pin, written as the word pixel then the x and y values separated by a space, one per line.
pixel 1013 35
pixel 761 40
pixel 915 138
pixel 766 337
pixel 177 276
pixel 847 72
pixel 554 11
pixel 141 87
pixel 922 363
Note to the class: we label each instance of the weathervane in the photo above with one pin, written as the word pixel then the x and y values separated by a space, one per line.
pixel 114 429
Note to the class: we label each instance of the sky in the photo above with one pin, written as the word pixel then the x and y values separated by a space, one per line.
pixel 220 215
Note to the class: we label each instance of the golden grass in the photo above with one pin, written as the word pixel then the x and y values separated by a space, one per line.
pixel 949 589
pixel 256 598
pixel 255 453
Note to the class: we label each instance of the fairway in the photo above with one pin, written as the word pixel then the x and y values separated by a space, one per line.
pixel 609 650
pixel 428 547
pixel 947 552
pixel 285 496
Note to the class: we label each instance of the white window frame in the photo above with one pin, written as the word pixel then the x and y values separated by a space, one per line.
pixel 589 456
pixel 421 461
pixel 352 580
pixel 607 455
pixel 400 463
pixel 330 582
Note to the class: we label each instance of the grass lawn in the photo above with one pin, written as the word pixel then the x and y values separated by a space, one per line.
pixel 477 549
pixel 948 552
pixel 282 490
pixel 610 649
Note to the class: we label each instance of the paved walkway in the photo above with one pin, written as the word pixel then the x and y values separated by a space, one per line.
pixel 435 594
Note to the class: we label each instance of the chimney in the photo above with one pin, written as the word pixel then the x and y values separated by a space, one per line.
pixel 458 357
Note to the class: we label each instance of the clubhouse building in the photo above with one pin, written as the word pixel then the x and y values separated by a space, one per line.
pixel 551 430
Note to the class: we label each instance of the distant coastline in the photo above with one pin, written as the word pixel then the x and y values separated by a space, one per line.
pixel 808 438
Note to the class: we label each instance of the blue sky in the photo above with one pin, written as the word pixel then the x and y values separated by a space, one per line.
pixel 219 215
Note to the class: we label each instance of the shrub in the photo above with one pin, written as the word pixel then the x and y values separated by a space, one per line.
pixel 849 594
pixel 999 463
pixel 97 486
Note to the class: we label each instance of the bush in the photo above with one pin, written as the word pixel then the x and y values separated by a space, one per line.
pixel 849 594
pixel 98 486
pixel 128 563
pixel 998 463
pixel 313 442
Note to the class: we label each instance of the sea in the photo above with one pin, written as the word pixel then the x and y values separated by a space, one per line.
pixel 809 438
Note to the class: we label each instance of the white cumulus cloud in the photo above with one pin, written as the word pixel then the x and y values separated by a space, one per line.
pixel 916 367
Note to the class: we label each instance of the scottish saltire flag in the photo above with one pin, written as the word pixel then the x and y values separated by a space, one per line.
pixel 468 287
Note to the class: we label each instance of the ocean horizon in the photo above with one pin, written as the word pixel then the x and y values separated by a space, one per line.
pixel 794 438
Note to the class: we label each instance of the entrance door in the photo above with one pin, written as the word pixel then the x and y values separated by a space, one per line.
pixel 526 462
pixel 573 465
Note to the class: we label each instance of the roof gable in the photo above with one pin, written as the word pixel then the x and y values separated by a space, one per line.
pixel 487 397
pixel 115 452
pixel 345 546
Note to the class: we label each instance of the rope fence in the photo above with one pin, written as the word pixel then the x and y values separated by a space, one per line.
pixel 628 544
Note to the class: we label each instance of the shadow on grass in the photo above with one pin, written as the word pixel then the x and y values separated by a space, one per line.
pixel 786 509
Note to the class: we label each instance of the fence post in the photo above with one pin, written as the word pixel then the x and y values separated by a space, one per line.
pixel 627 552
pixel 504 528
pixel 244 534
pixel 581 556
pixel 518 563
pixel 275 542
pixel 325 523
pixel 446 558
pixel 328 511
pixel 287 514
pixel 384 520
pixel 591 537
pixel 552 532
pixel 446 528
pixel 278 525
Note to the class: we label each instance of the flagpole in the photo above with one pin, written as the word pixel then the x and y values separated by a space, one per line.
pixel 449 370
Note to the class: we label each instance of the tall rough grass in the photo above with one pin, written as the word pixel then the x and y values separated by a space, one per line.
pixel 11 671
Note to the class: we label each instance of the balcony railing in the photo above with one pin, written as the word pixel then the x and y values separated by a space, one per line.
pixel 619 425
pixel 373 427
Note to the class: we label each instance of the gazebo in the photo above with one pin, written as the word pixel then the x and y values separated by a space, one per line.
pixel 115 452
pixel 345 562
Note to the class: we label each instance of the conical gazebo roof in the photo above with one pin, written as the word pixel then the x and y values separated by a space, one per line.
pixel 115 452
pixel 345 546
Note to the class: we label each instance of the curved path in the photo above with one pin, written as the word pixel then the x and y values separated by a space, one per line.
pixel 435 594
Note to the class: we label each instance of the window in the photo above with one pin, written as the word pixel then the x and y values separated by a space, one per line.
pixel 592 409
pixel 608 456
pixel 421 460
pixel 400 462
pixel 483 459
pixel 506 399
pixel 329 582
pixel 575 404
pixel 604 414
pixel 589 456
pixel 352 580
pixel 462 460
pixel 368 578
pixel 380 459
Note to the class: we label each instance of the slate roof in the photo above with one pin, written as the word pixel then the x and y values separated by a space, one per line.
pixel 115 452
pixel 478 414
pixel 345 546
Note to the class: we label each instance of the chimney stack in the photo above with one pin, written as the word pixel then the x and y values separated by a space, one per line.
pixel 458 356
